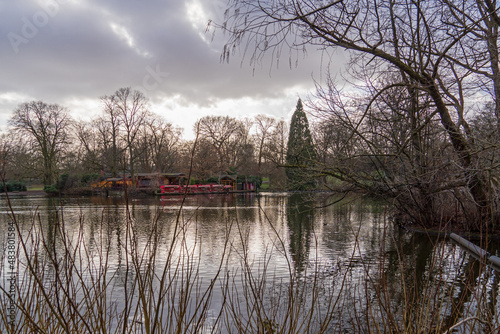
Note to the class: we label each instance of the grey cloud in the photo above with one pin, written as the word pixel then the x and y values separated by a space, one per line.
pixel 77 54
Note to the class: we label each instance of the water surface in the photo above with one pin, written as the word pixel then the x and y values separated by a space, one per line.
pixel 347 254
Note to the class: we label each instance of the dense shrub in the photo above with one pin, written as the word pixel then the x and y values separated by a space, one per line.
pixel 70 182
pixel 87 179
pixel 51 189
pixel 13 185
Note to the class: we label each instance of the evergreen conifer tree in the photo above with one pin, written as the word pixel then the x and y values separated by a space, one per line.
pixel 300 153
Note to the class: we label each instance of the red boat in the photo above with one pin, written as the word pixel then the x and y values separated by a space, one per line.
pixel 195 189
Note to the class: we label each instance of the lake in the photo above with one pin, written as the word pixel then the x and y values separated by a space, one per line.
pixel 237 263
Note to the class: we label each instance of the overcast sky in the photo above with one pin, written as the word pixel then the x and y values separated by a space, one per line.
pixel 72 52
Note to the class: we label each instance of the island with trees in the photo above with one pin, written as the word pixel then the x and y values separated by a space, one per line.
pixel 127 144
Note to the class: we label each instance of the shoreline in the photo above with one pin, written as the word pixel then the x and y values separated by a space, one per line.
pixel 432 231
pixel 28 193
pixel 446 233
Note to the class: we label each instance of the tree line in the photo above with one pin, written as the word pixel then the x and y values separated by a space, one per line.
pixel 43 141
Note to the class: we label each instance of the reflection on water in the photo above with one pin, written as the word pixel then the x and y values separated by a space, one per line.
pixel 373 270
pixel 300 221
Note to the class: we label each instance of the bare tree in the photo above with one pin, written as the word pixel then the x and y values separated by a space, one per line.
pixel 5 155
pixel 224 134
pixel 46 126
pixel 275 150
pixel 159 144
pixel 437 51
pixel 275 154
pixel 89 148
pixel 126 109
pixel 264 127
pixel 108 126
pixel 205 161
pixel 242 148
pixel 477 50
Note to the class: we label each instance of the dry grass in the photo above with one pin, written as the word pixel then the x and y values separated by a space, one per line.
pixel 67 283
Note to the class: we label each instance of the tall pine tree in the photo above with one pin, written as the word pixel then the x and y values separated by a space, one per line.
pixel 300 155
